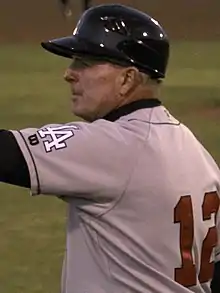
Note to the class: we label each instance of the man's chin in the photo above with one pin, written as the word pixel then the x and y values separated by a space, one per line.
pixel 77 113
pixel 81 114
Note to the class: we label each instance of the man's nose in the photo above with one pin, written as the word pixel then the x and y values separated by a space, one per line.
pixel 71 75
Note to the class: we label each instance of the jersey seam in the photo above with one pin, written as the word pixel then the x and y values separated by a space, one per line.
pixel 119 199
pixel 124 191
pixel 101 250
pixel 107 261
pixel 33 161
pixel 155 123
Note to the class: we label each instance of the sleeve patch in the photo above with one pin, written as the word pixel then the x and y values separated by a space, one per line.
pixel 53 138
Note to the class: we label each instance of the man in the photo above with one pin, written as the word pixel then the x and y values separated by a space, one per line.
pixel 142 192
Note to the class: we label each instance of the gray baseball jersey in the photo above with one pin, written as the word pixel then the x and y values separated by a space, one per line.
pixel 143 202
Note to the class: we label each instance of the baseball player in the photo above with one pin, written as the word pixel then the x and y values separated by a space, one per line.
pixel 142 192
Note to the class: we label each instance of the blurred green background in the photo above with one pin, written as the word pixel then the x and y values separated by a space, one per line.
pixel 33 93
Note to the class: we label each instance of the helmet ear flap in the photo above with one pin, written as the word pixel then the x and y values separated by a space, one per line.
pixel 143 53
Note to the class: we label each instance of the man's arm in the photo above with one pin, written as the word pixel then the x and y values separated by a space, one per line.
pixel 13 167
pixel 78 159
pixel 215 284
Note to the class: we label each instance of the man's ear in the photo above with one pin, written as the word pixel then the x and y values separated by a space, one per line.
pixel 129 79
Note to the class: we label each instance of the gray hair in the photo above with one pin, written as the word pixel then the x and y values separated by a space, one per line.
pixel 147 80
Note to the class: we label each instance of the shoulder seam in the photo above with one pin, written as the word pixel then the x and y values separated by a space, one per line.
pixel 120 198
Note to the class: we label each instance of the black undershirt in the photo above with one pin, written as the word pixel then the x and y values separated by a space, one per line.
pixel 13 167
pixel 215 284
pixel 129 108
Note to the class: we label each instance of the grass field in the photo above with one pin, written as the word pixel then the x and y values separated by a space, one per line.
pixel 33 93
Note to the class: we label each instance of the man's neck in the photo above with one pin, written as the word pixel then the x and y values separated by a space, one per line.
pixel 140 94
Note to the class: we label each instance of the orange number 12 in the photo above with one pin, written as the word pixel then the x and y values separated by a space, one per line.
pixel 183 214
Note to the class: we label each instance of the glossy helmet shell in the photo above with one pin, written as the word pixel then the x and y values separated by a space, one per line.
pixel 120 35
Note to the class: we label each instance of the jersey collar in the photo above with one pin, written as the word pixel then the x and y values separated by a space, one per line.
pixel 129 108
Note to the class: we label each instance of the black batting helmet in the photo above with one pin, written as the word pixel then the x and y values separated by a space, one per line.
pixel 120 35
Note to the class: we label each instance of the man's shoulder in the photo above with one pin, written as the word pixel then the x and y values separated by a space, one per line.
pixel 100 132
pixel 121 127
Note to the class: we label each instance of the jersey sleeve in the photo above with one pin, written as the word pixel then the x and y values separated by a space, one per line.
pixel 78 159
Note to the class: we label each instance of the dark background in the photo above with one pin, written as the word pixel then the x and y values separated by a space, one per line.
pixel 34 20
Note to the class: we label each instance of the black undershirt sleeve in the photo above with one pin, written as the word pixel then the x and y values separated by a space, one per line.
pixel 215 284
pixel 13 167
